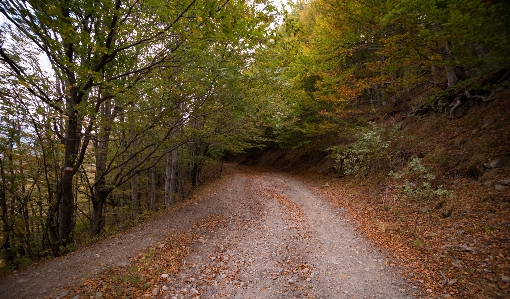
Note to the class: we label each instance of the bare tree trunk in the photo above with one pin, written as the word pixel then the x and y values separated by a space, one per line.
pixel 170 177
pixel 153 189
pixel 101 191
pixel 6 229
pixel 454 74
pixel 135 193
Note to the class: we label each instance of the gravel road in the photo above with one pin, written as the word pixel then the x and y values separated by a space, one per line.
pixel 276 239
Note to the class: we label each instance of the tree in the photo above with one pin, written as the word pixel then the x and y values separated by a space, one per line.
pixel 101 56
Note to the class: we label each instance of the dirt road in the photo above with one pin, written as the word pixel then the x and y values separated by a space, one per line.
pixel 277 239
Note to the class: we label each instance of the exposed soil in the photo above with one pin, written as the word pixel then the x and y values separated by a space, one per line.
pixel 254 235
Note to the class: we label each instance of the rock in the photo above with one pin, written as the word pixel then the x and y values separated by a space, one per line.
pixel 63 294
pixel 76 297
pixel 505 278
pixel 290 281
pixel 499 187
pixel 164 276
pixel 493 164
pixel 99 295
pixel 155 292
pixel 164 288
pixel 127 291
pixel 504 182
pixel 423 210
pixel 123 264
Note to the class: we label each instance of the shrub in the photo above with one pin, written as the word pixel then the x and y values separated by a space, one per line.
pixel 367 153
pixel 415 181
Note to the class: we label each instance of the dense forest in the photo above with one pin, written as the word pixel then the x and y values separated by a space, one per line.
pixel 114 110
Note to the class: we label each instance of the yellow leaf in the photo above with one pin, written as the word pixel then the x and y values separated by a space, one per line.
pixel 199 18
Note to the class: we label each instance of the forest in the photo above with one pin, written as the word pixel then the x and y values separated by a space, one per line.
pixel 115 110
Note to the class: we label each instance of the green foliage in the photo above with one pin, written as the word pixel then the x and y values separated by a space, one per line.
pixel 368 152
pixel 416 182
pixel 137 79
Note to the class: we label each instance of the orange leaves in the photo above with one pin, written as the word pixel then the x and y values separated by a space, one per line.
pixel 145 273
pixel 417 240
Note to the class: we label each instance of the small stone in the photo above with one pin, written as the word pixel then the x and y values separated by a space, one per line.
pixel 161 245
pixel 123 264
pixel 155 292
pixel 505 278
pixel 164 275
pixel 423 210
pixel 76 297
pixel 290 281
pixel 504 182
pixel 446 296
pixel 164 288
pixel 493 164
pixel 127 291
pixel 63 294
pixel 499 187
pixel 429 291
pixel 99 295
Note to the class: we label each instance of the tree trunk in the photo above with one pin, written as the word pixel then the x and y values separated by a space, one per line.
pixel 66 210
pixel 454 74
pixel 171 177
pixel 6 230
pixel 153 189
pixel 97 220
pixel 72 144
pixel 135 193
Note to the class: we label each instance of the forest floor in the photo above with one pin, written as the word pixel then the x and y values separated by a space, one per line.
pixel 248 235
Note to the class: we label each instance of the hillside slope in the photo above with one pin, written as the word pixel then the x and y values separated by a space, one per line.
pixel 445 211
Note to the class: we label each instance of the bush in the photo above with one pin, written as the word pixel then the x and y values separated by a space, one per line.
pixel 415 181
pixel 367 153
